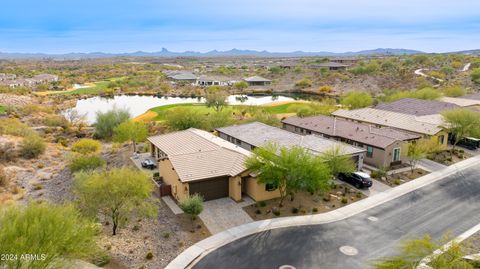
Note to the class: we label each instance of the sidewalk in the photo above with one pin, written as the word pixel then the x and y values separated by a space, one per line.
pixel 188 257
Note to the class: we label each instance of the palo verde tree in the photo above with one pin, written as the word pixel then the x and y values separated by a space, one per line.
pixel 289 169
pixel 107 121
pixel 117 195
pixel 357 99
pixel 414 252
pixel 461 123
pixel 415 152
pixel 215 97
pixel 338 161
pixel 57 233
pixel 131 131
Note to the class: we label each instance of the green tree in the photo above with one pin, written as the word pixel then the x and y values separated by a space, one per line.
pixel 461 123
pixel 416 152
pixel 475 75
pixel 107 121
pixel 192 205
pixel 87 146
pixel 59 232
pixel 118 195
pixel 289 169
pixel 32 146
pixel 412 254
pixel 182 118
pixel 240 85
pixel 216 97
pixel 131 131
pixel 338 161
pixel 357 99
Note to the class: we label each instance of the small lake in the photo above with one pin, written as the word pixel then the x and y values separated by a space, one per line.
pixel 138 105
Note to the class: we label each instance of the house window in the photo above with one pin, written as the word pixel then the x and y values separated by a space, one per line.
pixel 369 151
pixel 297 129
pixel 441 139
pixel 396 154
pixel 270 187
pixel 238 141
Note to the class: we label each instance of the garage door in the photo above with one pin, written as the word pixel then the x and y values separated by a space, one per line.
pixel 210 189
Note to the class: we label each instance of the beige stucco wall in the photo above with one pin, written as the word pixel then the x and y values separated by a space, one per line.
pixel 257 191
pixel 235 188
pixel 180 190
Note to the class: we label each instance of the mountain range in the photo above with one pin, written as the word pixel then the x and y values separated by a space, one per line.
pixel 215 53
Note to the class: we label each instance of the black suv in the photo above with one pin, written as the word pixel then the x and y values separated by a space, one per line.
pixel 358 179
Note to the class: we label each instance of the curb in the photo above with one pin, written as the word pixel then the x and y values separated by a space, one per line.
pixel 192 254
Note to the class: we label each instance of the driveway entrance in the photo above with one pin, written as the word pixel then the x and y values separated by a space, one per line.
pixel 222 214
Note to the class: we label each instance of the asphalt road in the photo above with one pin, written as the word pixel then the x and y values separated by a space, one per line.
pixel 449 205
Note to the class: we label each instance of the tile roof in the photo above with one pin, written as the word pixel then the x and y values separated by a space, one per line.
pixel 258 134
pixel 463 102
pixel 180 75
pixel 256 79
pixel 196 154
pixel 428 124
pixel 417 107
pixel 359 132
pixel 473 96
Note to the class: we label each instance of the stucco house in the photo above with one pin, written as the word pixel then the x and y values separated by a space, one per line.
pixel 384 146
pixel 332 66
pixel 257 81
pixel 252 135
pixel 195 161
pixel 427 126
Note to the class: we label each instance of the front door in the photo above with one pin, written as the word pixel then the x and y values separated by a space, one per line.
pixel 396 154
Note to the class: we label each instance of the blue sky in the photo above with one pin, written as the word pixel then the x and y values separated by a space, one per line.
pixel 60 26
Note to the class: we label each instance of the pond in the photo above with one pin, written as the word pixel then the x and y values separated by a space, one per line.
pixel 138 105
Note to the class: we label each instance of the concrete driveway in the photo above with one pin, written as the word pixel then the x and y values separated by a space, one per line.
pixel 377 187
pixel 450 204
pixel 222 214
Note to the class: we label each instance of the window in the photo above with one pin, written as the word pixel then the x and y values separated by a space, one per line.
pixel 369 151
pixel 396 154
pixel 238 141
pixel 441 139
pixel 270 187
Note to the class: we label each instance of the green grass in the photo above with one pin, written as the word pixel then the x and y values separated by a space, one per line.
pixel 3 109
pixel 99 87
pixel 203 109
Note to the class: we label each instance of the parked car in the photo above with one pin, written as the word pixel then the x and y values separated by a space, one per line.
pixel 358 179
pixel 149 164
pixel 469 143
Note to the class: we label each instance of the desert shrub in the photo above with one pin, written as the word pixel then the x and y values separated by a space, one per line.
pixel 397 182
pixel 86 146
pixel 56 121
pixel 426 94
pixel 276 212
pixel 326 198
pixel 32 146
pixel 86 163
pixel 149 256
pixel 3 177
pixel 357 99
pixel 303 83
pixel 14 127
pixel 7 151
pixel 192 205
pixel 314 210
pixel 454 91
pixel 295 210
pixel 258 212
pixel 325 89
pixel 344 200
pixel 165 235
pixel 262 204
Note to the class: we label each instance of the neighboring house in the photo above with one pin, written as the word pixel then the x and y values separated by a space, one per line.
pixel 417 107
pixel 347 61
pixel 181 76
pixel 4 76
pixel 330 66
pixel 384 146
pixel 463 101
pixel 212 81
pixel 252 135
pixel 44 78
pixel 426 126
pixel 195 161
pixel 257 81
pixel 288 65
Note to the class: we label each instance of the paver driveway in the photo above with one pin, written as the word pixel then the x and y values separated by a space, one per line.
pixel 221 214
